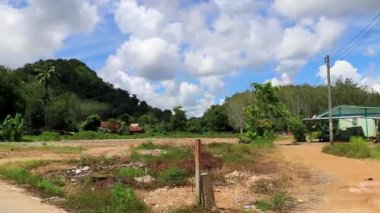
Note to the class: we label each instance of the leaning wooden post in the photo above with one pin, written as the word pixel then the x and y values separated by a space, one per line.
pixel 207 191
pixel 197 159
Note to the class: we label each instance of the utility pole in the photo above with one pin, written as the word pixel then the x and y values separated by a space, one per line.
pixel 327 61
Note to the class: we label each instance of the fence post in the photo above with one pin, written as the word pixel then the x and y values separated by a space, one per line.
pixel 197 159
pixel 207 191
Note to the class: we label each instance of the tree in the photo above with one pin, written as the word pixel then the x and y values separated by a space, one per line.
pixel 235 109
pixel 264 112
pixel 216 119
pixel 92 123
pixel 194 125
pixel 44 77
pixel 178 119
pixel 147 121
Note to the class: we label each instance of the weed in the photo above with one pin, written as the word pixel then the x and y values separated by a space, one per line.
pixel 130 172
pixel 172 176
pixel 21 175
pixel 149 146
pixel 270 186
pixel 279 202
pixel 118 199
pixel 356 148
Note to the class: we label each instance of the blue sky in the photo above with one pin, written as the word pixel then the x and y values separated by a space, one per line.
pixel 194 53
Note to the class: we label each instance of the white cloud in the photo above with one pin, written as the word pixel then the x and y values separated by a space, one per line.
pixel 317 8
pixel 153 59
pixel 214 39
pixel 38 29
pixel 341 70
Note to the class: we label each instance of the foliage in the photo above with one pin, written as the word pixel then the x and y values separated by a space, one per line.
pixel 21 175
pixel 266 111
pixel 12 128
pixel 194 125
pixel 298 129
pixel 235 109
pixel 178 120
pixel 147 121
pixel 216 119
pixel 356 148
pixel 91 123
pixel 173 176
pixel 130 172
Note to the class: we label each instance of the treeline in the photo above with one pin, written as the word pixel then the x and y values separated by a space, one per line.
pixel 304 101
pixel 65 95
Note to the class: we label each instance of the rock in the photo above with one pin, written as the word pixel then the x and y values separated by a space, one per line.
pixel 78 171
pixel 145 179
pixel 86 168
pixel 250 207
pixel 234 174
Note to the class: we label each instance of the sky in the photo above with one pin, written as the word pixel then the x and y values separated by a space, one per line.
pixel 195 53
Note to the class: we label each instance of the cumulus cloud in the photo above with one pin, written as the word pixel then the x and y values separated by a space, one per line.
pixel 208 41
pixel 341 70
pixel 38 29
pixel 153 58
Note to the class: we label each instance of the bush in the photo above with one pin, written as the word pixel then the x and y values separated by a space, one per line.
pixel 91 123
pixel 279 202
pixel 50 136
pixel 123 199
pixel 172 176
pixel 298 129
pixel 12 128
pixel 356 148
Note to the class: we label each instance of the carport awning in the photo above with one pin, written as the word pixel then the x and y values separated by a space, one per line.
pixel 347 112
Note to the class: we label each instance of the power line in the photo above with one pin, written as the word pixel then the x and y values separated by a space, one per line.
pixel 352 43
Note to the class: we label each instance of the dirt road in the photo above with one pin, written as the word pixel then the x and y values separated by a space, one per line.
pixel 353 186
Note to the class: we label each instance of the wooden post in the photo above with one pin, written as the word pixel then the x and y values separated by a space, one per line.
pixel 207 191
pixel 197 159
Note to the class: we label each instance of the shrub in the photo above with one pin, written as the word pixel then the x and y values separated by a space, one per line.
pixel 49 136
pixel 12 128
pixel 172 176
pixel 91 123
pixel 280 201
pixel 298 129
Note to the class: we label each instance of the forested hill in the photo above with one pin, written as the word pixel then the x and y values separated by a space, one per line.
pixel 74 91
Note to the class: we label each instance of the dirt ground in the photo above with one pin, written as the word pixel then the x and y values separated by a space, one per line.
pixel 349 185
pixel 353 185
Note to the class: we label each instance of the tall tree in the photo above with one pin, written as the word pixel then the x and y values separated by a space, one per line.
pixel 44 77
pixel 178 120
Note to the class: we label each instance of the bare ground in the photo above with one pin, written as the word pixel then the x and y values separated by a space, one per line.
pixel 353 185
pixel 348 185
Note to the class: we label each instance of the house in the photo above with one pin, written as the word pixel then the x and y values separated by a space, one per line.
pixel 135 128
pixel 108 127
pixel 352 120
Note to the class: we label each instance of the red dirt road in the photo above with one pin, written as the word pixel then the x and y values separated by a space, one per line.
pixel 347 189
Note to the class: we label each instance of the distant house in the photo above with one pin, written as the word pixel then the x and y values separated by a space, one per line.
pixel 135 128
pixel 352 120
pixel 108 127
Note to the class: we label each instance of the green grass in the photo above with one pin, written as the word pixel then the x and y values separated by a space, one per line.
pixel 356 148
pixel 21 175
pixel 38 147
pixel 130 172
pixel 118 199
pixel 172 176
pixel 92 135
pixel 169 154
pixel 239 152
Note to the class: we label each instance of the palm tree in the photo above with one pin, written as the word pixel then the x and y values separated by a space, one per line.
pixel 44 77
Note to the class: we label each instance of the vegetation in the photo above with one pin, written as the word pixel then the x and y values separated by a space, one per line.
pixel 21 175
pixel 11 128
pixel 279 202
pixel 356 148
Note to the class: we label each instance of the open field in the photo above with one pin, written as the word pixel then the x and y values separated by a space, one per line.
pixel 288 178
